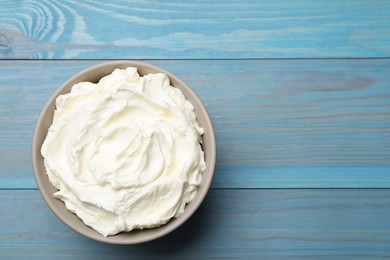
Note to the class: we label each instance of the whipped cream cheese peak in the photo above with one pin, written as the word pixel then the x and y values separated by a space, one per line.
pixel 124 153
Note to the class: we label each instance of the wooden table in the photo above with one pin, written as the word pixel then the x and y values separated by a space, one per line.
pixel 299 94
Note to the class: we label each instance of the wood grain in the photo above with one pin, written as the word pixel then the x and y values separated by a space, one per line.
pixel 281 120
pixel 279 124
pixel 292 224
pixel 186 29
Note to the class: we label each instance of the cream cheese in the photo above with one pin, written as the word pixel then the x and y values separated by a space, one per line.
pixel 124 153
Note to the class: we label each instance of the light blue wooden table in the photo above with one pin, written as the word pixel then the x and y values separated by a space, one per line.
pixel 299 94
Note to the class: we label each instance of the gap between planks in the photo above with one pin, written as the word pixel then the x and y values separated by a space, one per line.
pixel 340 189
pixel 200 59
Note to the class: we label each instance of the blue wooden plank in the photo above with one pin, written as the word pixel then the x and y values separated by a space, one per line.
pixel 279 123
pixel 187 29
pixel 230 224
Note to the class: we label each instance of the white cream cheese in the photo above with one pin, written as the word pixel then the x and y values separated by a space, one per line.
pixel 124 153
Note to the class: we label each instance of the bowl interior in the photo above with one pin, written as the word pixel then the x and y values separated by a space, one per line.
pixel 94 74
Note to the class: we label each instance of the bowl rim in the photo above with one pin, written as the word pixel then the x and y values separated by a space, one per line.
pixel 40 177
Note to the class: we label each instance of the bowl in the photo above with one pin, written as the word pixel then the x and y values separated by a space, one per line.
pixel 94 74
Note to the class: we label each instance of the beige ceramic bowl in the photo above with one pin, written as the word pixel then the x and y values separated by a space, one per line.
pixel 94 74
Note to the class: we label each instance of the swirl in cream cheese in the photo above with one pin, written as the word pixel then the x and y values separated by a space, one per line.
pixel 124 153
